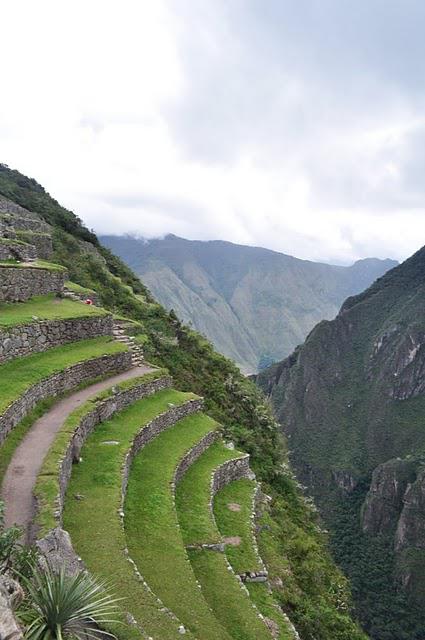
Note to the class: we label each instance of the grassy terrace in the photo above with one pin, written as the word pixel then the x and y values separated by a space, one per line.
pixel 44 308
pixel 193 496
pixel 221 589
pixel 151 518
pixel 47 486
pixel 22 373
pixel 94 523
pixel 37 264
pixel 243 557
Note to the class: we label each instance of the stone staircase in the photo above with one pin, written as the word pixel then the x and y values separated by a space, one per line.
pixel 119 333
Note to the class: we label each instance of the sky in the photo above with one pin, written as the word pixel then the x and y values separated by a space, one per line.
pixel 296 125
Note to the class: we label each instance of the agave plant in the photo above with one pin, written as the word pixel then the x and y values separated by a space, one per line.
pixel 62 607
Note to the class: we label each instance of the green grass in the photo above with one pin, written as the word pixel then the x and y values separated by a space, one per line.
pixel 193 496
pixel 221 589
pixel 37 264
pixel 226 598
pixel 77 288
pixel 22 373
pixel 151 517
pixel 244 557
pixel 47 486
pixel 238 523
pixel 44 308
pixel 94 524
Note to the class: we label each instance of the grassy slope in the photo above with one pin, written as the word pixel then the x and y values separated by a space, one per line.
pixel 94 524
pixel 19 375
pixel 229 601
pixel 230 398
pixel 244 556
pixel 47 486
pixel 44 308
pixel 151 517
pixel 193 496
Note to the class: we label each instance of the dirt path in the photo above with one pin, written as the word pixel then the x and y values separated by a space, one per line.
pixel 23 469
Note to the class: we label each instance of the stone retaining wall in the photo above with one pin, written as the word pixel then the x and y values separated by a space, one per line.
pixel 16 251
pixel 8 206
pixel 154 428
pixel 41 241
pixel 231 470
pixel 102 411
pixel 23 340
pixel 192 455
pixel 58 383
pixel 18 284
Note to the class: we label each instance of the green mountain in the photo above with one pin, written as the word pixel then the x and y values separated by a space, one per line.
pixel 307 588
pixel 352 403
pixel 255 305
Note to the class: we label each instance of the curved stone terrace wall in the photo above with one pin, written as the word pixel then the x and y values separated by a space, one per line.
pixel 102 411
pixel 154 428
pixel 18 284
pixel 22 340
pixel 58 383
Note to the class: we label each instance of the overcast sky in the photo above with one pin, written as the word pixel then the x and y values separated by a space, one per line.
pixel 297 125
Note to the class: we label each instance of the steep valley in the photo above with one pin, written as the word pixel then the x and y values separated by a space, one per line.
pixel 255 305
pixel 351 401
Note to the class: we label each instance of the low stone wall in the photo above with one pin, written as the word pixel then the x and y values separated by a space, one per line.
pixel 41 241
pixel 192 455
pixel 18 284
pixel 154 428
pixel 58 383
pixel 23 340
pixel 228 472
pixel 10 250
pixel 101 412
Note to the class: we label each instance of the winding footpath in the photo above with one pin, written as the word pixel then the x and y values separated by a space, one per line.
pixel 22 472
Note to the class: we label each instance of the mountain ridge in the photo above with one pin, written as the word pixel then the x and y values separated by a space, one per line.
pixel 254 304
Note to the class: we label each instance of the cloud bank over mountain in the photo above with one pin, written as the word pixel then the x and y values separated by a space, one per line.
pixel 293 125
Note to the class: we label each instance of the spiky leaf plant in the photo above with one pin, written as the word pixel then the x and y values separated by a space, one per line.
pixel 62 607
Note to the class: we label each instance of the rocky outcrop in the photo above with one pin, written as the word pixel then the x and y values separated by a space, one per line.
pixel 56 549
pixel 18 284
pixel 384 502
pixel 41 335
pixel 58 383
pixel 10 595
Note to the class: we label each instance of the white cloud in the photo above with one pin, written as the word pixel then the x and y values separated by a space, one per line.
pixel 214 120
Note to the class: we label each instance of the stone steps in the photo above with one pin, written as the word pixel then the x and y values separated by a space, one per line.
pixel 120 335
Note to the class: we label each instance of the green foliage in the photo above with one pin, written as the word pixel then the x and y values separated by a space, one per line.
pixel 62 607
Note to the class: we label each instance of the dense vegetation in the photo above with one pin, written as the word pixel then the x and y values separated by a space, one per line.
pixel 314 593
